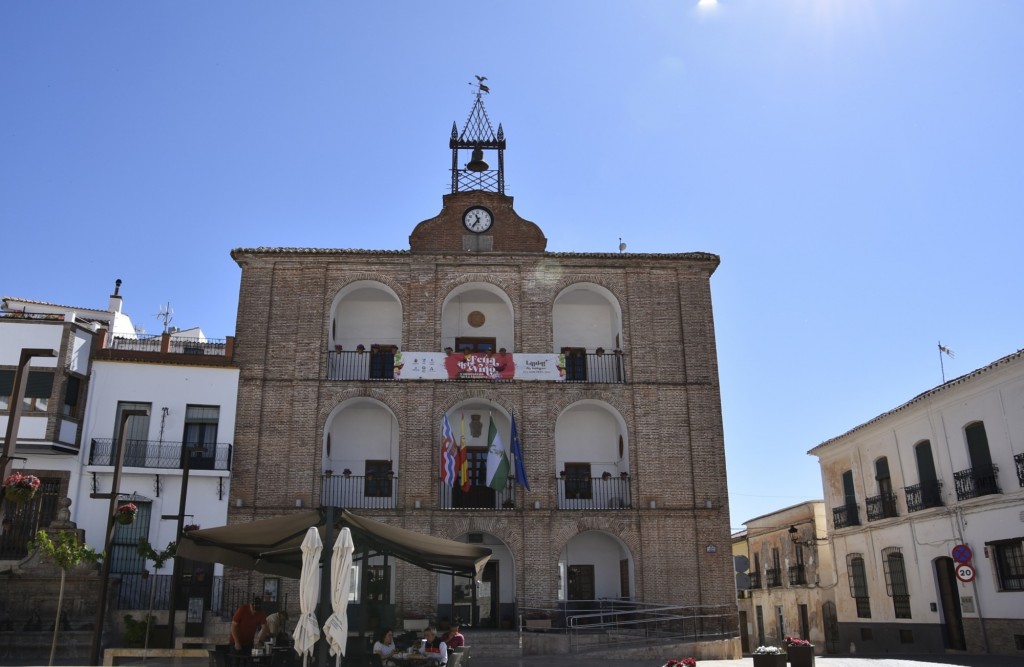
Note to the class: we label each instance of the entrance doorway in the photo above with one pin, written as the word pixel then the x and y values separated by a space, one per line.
pixel 949 600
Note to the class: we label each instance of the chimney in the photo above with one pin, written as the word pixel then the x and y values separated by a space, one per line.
pixel 115 298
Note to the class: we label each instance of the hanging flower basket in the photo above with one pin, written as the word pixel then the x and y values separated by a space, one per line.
pixel 20 488
pixel 126 514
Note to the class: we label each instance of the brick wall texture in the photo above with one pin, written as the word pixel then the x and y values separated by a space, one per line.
pixel 670 400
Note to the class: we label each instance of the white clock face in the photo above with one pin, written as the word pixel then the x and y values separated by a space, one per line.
pixel 477 219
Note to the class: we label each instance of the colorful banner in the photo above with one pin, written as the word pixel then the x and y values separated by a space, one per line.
pixel 477 366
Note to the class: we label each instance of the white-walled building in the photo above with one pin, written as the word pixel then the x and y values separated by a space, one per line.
pixel 906 492
pixel 69 429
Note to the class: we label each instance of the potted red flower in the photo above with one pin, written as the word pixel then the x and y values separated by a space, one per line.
pixel 126 514
pixel 685 662
pixel 20 488
pixel 800 652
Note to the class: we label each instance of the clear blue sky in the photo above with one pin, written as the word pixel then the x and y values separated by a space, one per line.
pixel 858 166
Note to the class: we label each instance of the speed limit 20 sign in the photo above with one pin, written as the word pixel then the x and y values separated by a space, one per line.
pixel 965 573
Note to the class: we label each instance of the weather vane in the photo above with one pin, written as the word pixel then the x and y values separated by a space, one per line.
pixel 481 86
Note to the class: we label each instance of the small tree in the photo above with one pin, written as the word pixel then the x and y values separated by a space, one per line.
pixel 66 553
pixel 159 558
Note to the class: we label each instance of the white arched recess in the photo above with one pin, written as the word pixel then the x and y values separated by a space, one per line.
pixel 359 430
pixel 586 315
pixel 591 431
pixel 600 557
pixel 499 579
pixel 498 321
pixel 365 313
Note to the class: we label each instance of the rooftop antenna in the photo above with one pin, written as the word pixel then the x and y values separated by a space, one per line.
pixel 622 246
pixel 944 350
pixel 166 314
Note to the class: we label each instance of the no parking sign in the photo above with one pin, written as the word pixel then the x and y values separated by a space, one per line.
pixel 962 553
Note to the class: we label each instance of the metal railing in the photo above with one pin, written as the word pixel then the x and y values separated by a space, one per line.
pixel 22 521
pixel 924 495
pixel 600 625
pixel 161 454
pixel 881 506
pixel 476 498
pixel 755 580
pixel 135 590
pixel 797 575
pixel 359 491
pixel 374 364
pixel 845 516
pixel 976 482
pixel 1019 460
pixel 773 577
pixel 594 367
pixel 594 493
pixel 175 345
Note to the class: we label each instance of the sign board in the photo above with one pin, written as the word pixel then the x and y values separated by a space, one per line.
pixel 962 553
pixel 965 573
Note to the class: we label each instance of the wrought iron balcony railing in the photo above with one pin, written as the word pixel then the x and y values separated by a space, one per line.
pixel 594 367
pixel 773 577
pixel 476 497
pixel 1019 460
pixel 373 364
pixel 360 491
pixel 924 495
pixel 845 516
pixel 593 493
pixel 755 580
pixel 797 575
pixel 976 482
pixel 161 454
pixel 881 506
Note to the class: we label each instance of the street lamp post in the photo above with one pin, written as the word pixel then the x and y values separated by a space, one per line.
pixel 180 516
pixel 115 485
pixel 17 398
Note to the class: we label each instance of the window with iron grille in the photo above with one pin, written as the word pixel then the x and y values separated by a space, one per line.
pixel 896 581
pixel 858 584
pixel 1009 559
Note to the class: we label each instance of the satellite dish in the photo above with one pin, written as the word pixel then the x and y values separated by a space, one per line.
pixel 622 246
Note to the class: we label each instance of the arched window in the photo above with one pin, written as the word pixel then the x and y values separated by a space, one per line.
pixel 858 584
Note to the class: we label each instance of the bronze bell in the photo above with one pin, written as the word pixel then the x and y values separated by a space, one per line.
pixel 477 162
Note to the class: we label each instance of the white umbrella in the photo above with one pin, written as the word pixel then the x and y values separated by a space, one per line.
pixel 336 627
pixel 307 631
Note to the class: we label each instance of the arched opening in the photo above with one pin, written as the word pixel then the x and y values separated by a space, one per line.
pixel 592 457
pixel 477 317
pixel 473 486
pixel 494 603
pixel 586 322
pixel 360 456
pixel 365 332
pixel 594 567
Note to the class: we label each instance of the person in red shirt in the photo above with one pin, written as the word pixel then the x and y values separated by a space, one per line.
pixel 244 623
pixel 453 638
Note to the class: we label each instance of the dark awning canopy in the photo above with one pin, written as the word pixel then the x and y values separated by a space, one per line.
pixel 272 546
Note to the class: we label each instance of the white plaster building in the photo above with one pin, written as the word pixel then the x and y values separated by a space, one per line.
pixel 905 491
pixel 69 428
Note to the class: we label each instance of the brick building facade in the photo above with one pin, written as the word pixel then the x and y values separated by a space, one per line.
pixel 605 364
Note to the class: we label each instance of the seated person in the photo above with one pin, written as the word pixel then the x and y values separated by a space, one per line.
pixel 453 638
pixel 276 627
pixel 433 647
pixel 384 647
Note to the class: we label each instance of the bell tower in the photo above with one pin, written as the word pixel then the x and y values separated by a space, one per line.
pixel 478 136
pixel 477 216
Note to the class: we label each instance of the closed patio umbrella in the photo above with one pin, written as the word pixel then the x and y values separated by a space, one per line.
pixel 336 627
pixel 307 630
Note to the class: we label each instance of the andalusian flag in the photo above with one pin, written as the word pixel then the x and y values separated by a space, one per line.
pixel 497 459
pixel 462 461
pixel 449 452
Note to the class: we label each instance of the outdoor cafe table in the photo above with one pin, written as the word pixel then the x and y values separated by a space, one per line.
pixel 412 659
